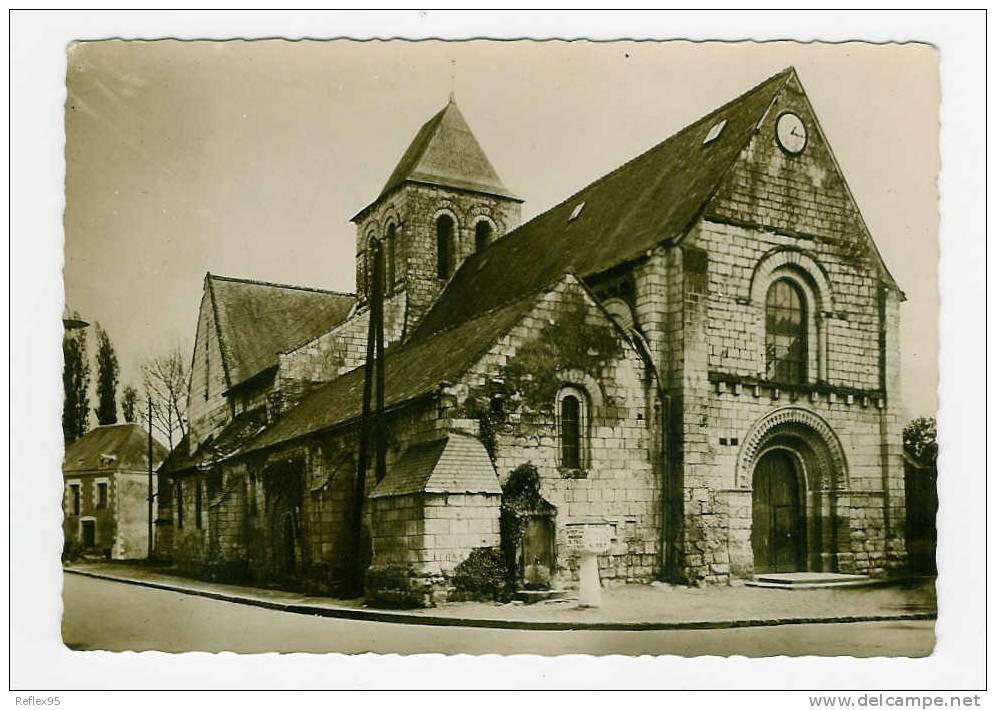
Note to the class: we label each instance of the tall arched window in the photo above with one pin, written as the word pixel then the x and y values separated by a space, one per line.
pixel 570 432
pixel 482 234
pixel 572 426
pixel 444 246
pixel 391 264
pixel 785 343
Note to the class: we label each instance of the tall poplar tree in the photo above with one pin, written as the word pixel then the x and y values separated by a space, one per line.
pixel 75 382
pixel 107 379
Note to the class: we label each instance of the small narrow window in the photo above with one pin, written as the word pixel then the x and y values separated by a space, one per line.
pixel 482 235
pixel 74 499
pixel 570 431
pixel 444 246
pixel 198 519
pixel 179 505
pixel 391 260
pixel 102 495
pixel 576 212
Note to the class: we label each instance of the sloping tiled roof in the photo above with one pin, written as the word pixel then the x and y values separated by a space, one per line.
pixel 258 320
pixel 457 463
pixel 445 152
pixel 651 199
pixel 411 369
pixel 228 441
pixel 113 447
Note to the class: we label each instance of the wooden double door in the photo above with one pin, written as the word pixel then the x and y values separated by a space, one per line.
pixel 777 533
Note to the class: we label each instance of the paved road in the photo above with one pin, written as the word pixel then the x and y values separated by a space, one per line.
pixel 118 617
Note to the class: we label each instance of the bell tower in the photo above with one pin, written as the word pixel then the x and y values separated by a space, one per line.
pixel 442 202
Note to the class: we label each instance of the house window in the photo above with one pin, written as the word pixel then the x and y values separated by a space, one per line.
pixel 179 505
pixel 198 520
pixel 444 246
pixel 74 499
pixel 101 495
pixel 482 235
pixel 391 260
pixel 785 333
pixel 572 426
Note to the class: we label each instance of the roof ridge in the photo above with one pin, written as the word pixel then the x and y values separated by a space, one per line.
pixel 273 284
pixel 656 146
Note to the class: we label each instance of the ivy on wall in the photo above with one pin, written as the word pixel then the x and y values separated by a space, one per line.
pixel 529 383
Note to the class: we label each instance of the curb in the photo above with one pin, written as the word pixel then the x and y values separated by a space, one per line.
pixel 394 617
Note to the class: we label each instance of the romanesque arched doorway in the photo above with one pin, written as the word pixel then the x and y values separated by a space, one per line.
pixel 794 467
pixel 777 514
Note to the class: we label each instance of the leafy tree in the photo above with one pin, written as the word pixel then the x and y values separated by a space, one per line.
pixel 75 382
pixel 129 403
pixel 107 379
pixel 164 378
pixel 920 439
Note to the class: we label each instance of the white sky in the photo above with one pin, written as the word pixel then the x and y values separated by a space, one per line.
pixel 249 158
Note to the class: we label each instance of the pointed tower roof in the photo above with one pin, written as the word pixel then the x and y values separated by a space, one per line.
pixel 446 153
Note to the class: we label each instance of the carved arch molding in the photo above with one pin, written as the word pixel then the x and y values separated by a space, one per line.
pixel 807 434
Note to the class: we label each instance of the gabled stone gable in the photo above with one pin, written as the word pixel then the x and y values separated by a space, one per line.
pixel 208 410
pixel 618 482
pixel 775 208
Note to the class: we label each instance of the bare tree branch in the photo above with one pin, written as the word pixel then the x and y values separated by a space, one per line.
pixel 164 378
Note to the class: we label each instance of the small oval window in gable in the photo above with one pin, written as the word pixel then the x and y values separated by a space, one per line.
pixel 714 132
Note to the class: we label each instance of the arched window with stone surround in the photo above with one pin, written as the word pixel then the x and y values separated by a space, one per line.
pixel 572 427
pixel 786 328
pixel 482 234
pixel 445 230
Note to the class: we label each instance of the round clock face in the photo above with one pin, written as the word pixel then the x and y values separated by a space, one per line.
pixel 791 133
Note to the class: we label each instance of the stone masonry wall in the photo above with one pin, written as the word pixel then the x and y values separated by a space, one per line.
pixel 342 349
pixel 328 470
pixel 617 482
pixel 398 530
pixel 455 525
pixel 129 491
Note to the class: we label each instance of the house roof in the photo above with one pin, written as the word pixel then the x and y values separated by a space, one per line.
pixel 112 447
pixel 258 320
pixel 411 370
pixel 445 152
pixel 457 463
pixel 653 198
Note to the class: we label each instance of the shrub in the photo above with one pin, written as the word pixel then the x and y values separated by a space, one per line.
pixel 483 576
pixel 72 550
pixel 920 439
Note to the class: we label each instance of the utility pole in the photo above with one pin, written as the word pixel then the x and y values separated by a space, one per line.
pixel 356 561
pixel 149 398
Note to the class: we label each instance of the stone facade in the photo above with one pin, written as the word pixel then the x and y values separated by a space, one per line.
pixel 786 216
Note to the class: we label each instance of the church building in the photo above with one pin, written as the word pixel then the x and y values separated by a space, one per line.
pixel 698 351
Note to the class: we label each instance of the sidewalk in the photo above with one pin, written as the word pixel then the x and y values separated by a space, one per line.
pixel 632 607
